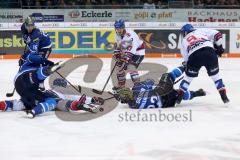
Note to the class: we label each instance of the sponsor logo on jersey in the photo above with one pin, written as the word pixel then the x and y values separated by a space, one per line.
pixel 195 45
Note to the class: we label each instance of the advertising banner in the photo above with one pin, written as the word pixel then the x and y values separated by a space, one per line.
pixel 11 42
pixel 235 41
pixel 169 41
pixel 129 15
pixel 96 41
pixel 72 41
pixel 212 15
pixel 77 41
pixel 11 15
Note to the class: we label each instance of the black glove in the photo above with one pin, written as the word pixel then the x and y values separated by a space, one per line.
pixel 184 64
pixel 48 63
pixel 219 50
pixel 22 60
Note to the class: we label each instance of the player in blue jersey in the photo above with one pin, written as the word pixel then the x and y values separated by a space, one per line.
pixel 147 94
pixel 36 101
pixel 38 45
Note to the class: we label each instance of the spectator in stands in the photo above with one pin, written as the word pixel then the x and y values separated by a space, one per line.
pixel 222 2
pixel 199 4
pixel 209 2
pixel 149 5
pixel 88 4
pixel 28 3
pixel 139 2
pixel 49 4
pixel 115 5
pixel 233 2
pixel 55 3
pixel 38 4
pixel 62 4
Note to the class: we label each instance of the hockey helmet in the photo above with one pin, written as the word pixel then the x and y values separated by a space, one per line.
pixel 119 24
pixel 29 22
pixel 187 28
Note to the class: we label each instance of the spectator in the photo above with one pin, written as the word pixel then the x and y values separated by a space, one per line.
pixel 209 2
pixel 55 3
pixel 38 5
pixel 62 4
pixel 222 2
pixel 199 4
pixel 49 4
pixel 131 2
pixel 28 3
pixel 115 5
pixel 233 2
pixel 161 4
pixel 149 5
pixel 88 4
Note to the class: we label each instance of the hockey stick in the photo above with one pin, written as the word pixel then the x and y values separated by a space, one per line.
pixel 14 89
pixel 101 92
pixel 77 89
pixel 11 94
pixel 179 80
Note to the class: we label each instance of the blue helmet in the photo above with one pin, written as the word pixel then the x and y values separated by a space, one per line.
pixel 187 28
pixel 119 24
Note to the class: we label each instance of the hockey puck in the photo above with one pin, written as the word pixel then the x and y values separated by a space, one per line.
pixel 101 109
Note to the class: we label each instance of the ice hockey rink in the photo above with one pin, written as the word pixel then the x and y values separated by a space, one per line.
pixel 213 133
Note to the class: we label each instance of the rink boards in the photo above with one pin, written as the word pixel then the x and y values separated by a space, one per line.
pixel 75 39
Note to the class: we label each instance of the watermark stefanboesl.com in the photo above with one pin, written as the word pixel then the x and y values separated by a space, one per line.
pixel 158 116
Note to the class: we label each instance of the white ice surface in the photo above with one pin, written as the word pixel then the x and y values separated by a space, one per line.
pixel 213 133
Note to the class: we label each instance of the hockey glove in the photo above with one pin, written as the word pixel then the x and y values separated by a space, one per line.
pixel 116 55
pixel 165 85
pixel 21 61
pixel 126 57
pixel 184 64
pixel 219 50
pixel 48 63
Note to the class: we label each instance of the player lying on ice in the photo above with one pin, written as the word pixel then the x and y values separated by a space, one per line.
pixel 146 94
pixel 36 101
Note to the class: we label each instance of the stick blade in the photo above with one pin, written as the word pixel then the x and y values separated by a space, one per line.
pixel 9 94
pixel 97 91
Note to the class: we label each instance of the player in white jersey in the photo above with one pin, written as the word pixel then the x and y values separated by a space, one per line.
pixel 129 53
pixel 201 47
